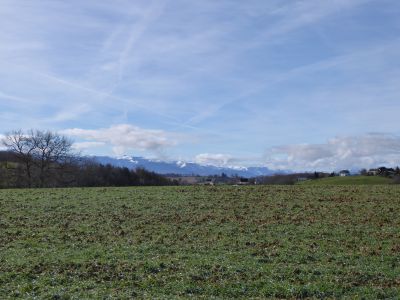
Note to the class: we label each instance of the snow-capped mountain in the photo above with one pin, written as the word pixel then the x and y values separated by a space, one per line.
pixel 182 167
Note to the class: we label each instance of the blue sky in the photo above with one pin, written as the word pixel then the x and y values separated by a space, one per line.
pixel 299 85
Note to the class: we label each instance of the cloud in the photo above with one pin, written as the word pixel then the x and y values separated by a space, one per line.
pixel 69 113
pixel 302 13
pixel 352 152
pixel 122 52
pixel 214 159
pixel 251 72
pixel 14 98
pixel 344 63
pixel 124 137
pixel 86 145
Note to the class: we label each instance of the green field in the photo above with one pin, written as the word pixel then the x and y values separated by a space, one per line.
pixel 202 242
pixel 348 180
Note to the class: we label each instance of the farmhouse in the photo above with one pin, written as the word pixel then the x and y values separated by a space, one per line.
pixel 373 172
pixel 344 173
pixel 243 181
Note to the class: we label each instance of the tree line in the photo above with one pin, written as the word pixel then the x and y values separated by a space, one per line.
pixel 46 159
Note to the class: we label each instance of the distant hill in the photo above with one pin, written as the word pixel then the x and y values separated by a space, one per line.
pixel 348 180
pixel 182 168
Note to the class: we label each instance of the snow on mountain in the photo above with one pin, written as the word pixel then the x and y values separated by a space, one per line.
pixel 181 167
pixel 181 164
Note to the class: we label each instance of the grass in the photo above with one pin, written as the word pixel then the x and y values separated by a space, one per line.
pixel 348 180
pixel 202 242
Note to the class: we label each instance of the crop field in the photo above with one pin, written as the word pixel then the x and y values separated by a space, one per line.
pixel 201 241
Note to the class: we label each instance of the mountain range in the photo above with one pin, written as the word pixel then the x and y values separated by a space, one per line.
pixel 181 167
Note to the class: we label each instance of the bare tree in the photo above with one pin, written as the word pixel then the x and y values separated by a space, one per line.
pixel 51 150
pixel 43 150
pixel 22 146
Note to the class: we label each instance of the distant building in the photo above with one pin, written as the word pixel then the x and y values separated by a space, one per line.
pixel 344 173
pixel 243 181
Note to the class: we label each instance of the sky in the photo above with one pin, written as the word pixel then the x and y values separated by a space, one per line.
pixel 287 84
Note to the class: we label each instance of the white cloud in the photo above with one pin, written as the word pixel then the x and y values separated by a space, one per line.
pixel 302 13
pixel 69 113
pixel 353 152
pixel 80 146
pixel 14 98
pixel 124 137
pixel 213 159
